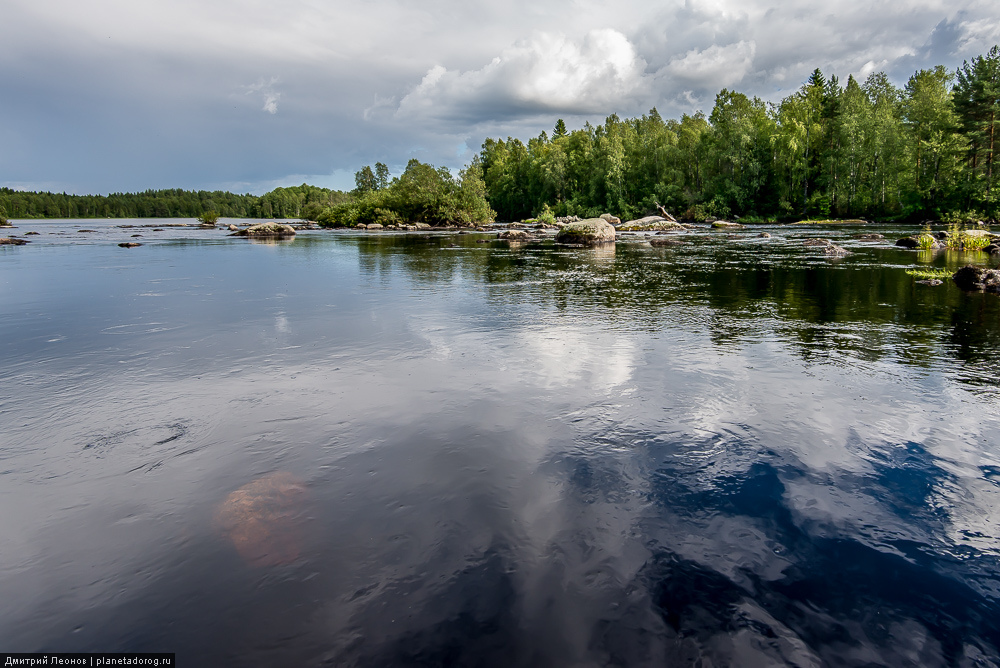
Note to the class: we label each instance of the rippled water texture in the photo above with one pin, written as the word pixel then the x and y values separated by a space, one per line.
pixel 401 450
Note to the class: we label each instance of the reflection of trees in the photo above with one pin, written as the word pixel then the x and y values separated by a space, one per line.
pixel 862 311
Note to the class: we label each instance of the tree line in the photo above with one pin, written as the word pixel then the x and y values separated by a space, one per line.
pixel 866 149
pixel 278 203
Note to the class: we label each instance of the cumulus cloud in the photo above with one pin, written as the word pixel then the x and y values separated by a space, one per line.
pixel 717 66
pixel 549 72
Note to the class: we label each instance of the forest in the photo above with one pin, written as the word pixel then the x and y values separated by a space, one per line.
pixel 860 150
pixel 278 203
pixel 828 150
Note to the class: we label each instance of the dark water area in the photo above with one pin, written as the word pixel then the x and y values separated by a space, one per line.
pixel 381 449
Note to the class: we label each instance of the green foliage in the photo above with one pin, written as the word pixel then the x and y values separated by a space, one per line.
pixel 421 194
pixel 279 203
pixel 209 217
pixel 925 274
pixel 858 150
pixel 926 242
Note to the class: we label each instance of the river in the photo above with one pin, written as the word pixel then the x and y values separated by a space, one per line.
pixel 388 449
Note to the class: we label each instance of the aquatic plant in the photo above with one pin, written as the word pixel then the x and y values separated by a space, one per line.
pixel 926 242
pixel 925 274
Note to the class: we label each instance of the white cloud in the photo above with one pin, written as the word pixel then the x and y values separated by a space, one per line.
pixel 266 89
pixel 718 65
pixel 549 72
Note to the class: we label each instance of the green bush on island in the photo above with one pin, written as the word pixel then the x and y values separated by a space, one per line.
pixel 421 194
pixel 208 217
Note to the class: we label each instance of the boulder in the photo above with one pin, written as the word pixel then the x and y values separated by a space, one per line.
pixel 233 228
pixel 817 242
pixel 870 237
pixel 764 235
pixel 373 226
pixel 726 225
pixel 422 226
pixel 992 249
pixel 977 279
pixel 614 220
pixel 265 519
pixel 835 251
pixel 650 223
pixel 590 232
pixel 514 235
pixel 907 242
pixel 12 241
pixel 129 244
pixel 31 234
pixel 268 231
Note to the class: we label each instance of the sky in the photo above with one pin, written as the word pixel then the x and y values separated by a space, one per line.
pixel 246 95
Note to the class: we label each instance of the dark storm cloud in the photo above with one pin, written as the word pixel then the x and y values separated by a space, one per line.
pixel 113 95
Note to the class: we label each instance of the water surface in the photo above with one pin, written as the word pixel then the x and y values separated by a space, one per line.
pixel 732 452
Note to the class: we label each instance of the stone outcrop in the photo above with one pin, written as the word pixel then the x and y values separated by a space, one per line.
pixel 590 232
pixel 268 231
pixel 12 241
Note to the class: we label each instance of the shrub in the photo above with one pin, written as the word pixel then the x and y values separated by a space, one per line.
pixel 209 217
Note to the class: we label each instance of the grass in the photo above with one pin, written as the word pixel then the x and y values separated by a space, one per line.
pixel 924 274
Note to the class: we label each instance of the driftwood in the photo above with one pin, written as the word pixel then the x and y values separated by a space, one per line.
pixel 664 213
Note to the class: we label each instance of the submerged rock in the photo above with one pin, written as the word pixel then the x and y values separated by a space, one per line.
pixel 931 281
pixel 764 235
pixel 590 232
pixel 263 519
pixel 977 279
pixel 268 231
pixel 817 242
pixel 870 237
pixel 835 250
pixel 129 244
pixel 665 241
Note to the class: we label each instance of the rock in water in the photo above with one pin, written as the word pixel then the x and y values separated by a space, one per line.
pixel 514 235
pixel 12 241
pixel 726 225
pixel 590 232
pixel 129 244
pixel 664 241
pixel 835 250
pixel 263 519
pixel 907 242
pixel 268 231
pixel 977 279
